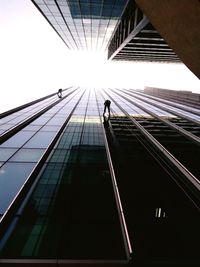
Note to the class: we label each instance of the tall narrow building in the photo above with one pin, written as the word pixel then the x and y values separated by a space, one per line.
pixel 78 186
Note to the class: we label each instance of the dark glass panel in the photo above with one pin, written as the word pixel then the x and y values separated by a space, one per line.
pixel 60 155
pixel 12 177
pixel 72 212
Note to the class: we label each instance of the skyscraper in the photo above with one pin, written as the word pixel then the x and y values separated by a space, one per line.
pixel 84 24
pixel 118 27
pixel 77 187
pixel 166 31
pixel 137 39
pixel 80 187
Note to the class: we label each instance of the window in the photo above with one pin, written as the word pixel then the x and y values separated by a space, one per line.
pixel 12 177
pixel 28 155
pixel 40 140
pixel 18 139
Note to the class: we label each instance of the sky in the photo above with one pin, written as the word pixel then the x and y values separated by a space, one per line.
pixel 35 62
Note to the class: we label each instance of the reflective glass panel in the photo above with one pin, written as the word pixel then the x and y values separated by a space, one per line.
pixel 31 128
pixel 12 177
pixel 28 155
pixel 40 140
pixel 41 120
pixel 6 153
pixel 50 128
pixel 17 140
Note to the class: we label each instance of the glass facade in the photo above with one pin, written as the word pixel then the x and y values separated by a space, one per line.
pixel 86 24
pixel 77 186
pixel 116 27
pixel 136 39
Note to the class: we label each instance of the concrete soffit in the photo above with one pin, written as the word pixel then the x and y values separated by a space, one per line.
pixel 178 23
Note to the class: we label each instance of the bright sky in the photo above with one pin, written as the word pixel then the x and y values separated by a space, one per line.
pixel 35 62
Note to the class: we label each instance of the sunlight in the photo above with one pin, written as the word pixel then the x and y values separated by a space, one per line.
pixel 94 70
pixel 87 68
pixel 35 62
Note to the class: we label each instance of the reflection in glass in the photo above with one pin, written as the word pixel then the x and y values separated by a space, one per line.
pixel 40 140
pixel 12 177
pixel 86 25
pixel 18 139
pixel 71 213
pixel 6 153
pixel 73 202
pixel 28 155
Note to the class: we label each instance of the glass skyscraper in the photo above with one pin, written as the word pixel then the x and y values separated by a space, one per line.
pixel 82 187
pixel 135 38
pixel 85 24
pixel 77 187
pixel 115 27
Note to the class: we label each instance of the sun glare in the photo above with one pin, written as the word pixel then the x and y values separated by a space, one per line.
pixel 35 62
pixel 87 68
pixel 94 70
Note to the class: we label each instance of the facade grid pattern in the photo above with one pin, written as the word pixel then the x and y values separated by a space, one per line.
pixel 84 24
pixel 136 39
pixel 61 205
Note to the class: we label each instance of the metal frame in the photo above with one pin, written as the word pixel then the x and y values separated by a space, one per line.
pixel 134 32
pixel 6 218
pixel 165 153
pixel 138 32
pixel 171 111
pixel 117 196
pixel 185 108
pixel 24 123
pixel 180 130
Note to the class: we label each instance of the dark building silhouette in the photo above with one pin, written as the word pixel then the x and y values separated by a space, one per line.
pixel 74 192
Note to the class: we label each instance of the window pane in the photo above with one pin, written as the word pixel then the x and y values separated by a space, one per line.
pixel 12 177
pixel 41 140
pixel 40 121
pixel 50 128
pixel 28 155
pixel 6 153
pixel 18 139
pixel 31 128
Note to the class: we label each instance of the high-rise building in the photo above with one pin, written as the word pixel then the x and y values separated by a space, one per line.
pixel 81 187
pixel 166 31
pixel 137 39
pixel 83 24
pixel 117 27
